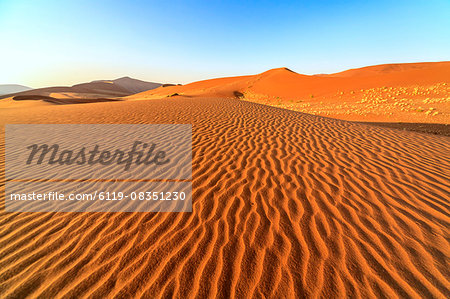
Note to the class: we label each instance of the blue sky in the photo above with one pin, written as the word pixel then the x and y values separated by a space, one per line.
pixel 46 43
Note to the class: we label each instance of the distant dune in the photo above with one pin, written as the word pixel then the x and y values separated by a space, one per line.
pixel 414 92
pixel 390 68
pixel 12 88
pixel 96 89
pixel 134 85
pixel 125 85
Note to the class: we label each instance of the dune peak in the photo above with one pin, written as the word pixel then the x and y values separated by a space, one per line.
pixel 279 70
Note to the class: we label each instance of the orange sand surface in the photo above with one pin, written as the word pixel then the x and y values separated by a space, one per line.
pixel 285 204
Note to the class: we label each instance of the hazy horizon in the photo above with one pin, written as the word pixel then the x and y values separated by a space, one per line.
pixel 181 42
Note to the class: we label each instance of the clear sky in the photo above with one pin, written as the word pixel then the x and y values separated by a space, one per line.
pixel 47 43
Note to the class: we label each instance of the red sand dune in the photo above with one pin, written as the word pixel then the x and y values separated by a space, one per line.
pixel 285 204
pixel 286 83
pixel 375 93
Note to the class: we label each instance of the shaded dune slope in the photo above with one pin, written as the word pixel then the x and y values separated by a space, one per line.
pixel 12 88
pixel 285 204
pixel 61 101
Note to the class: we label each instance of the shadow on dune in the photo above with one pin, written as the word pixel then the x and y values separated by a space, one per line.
pixel 62 101
pixel 429 128
pixel 238 94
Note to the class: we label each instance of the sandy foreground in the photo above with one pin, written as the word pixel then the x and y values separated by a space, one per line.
pixel 285 204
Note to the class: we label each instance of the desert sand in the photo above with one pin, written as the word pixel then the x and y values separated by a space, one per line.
pixel 285 204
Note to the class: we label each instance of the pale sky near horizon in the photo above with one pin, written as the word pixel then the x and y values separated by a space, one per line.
pixel 49 43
